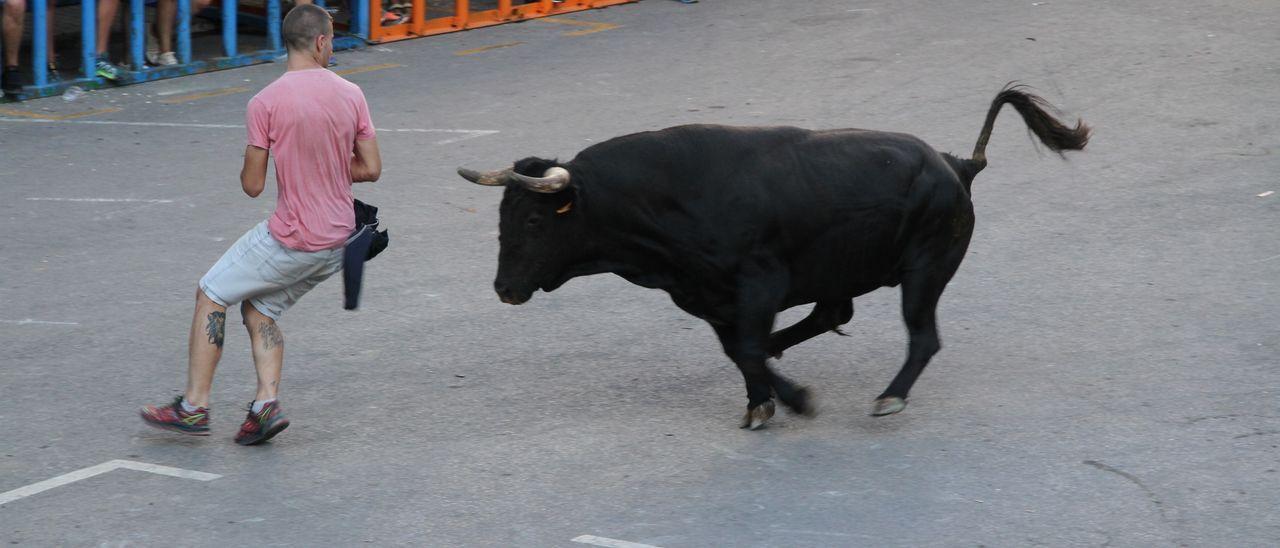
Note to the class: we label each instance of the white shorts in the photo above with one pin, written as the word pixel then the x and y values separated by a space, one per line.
pixel 272 277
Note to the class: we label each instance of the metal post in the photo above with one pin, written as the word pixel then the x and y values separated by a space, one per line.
pixel 360 19
pixel 461 13
pixel 88 37
pixel 229 27
pixel 374 9
pixel 273 24
pixel 418 14
pixel 184 32
pixel 137 36
pixel 39 41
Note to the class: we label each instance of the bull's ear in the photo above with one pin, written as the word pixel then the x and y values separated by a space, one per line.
pixel 569 201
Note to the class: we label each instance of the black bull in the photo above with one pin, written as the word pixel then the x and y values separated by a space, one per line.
pixel 737 224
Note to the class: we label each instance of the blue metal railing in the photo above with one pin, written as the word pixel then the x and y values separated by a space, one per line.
pixel 88 37
pixel 136 40
pixel 40 36
pixel 229 27
pixel 137 36
pixel 360 18
pixel 184 30
pixel 273 25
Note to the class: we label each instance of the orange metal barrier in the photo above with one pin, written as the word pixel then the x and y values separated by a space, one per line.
pixel 427 20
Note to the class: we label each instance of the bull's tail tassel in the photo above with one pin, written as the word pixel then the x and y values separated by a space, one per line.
pixel 1035 112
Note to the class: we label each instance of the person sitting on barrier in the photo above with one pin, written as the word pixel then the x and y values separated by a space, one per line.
pixel 166 21
pixel 317 125
pixel 103 67
pixel 162 53
pixel 14 16
pixel 107 10
pixel 395 12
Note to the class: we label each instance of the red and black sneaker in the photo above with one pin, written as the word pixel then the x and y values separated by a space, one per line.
pixel 263 425
pixel 174 417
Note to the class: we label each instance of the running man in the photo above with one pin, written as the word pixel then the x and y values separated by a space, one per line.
pixel 318 128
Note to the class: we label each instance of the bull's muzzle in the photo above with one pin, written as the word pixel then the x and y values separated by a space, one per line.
pixel 510 296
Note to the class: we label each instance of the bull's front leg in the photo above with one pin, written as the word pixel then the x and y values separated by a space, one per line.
pixel 754 371
pixel 746 342
pixel 762 382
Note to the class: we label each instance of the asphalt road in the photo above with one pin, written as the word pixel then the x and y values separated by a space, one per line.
pixel 1109 375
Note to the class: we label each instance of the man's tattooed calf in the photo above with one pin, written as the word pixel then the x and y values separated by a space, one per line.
pixel 216 327
pixel 271 336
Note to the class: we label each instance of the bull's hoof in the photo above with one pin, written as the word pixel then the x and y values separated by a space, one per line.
pixel 888 406
pixel 801 402
pixel 756 417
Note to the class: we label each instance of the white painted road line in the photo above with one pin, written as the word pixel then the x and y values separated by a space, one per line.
pixel 610 542
pixel 430 130
pixel 30 321
pixel 464 134
pixel 85 473
pixel 165 470
pixel 112 200
pixel 39 487
pixel 118 123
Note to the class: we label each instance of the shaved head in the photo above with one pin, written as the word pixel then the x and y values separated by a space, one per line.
pixel 303 24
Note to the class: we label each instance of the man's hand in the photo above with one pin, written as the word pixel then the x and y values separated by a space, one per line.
pixel 366 165
pixel 253 177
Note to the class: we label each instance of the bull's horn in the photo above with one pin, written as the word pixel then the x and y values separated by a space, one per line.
pixel 551 181
pixel 492 178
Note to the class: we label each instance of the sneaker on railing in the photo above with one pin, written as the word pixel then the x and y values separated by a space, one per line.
pixel 152 55
pixel 391 18
pixel 11 80
pixel 166 59
pixel 104 69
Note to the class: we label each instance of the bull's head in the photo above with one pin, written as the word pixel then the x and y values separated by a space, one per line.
pixel 538 232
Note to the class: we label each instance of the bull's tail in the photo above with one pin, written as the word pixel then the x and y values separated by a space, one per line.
pixel 1034 110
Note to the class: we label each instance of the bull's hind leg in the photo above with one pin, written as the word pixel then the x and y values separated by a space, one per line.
pixel 826 316
pixel 921 289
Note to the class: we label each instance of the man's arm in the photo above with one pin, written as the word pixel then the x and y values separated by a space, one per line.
pixel 253 177
pixel 366 165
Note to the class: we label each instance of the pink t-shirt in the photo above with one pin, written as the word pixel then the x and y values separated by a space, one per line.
pixel 310 121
